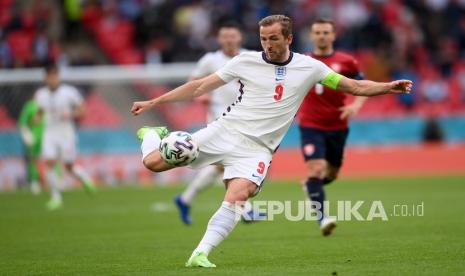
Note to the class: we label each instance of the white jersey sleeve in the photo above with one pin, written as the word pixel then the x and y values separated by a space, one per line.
pixel 202 68
pixel 75 97
pixel 229 72
pixel 322 70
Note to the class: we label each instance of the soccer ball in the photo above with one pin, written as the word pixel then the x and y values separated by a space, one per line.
pixel 178 148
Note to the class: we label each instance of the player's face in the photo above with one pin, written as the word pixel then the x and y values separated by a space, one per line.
pixel 275 45
pixel 322 35
pixel 52 80
pixel 230 40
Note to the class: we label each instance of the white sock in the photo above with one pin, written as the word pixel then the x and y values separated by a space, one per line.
pixel 219 226
pixel 81 174
pixel 150 142
pixel 53 182
pixel 205 178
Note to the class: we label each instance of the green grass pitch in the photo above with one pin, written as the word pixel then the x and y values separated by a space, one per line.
pixel 134 230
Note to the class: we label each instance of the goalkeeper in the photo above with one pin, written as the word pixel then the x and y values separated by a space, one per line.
pixel 31 128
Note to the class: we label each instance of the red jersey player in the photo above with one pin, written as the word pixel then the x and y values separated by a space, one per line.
pixel 323 119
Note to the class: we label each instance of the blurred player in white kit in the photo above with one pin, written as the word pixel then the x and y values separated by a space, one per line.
pixel 60 104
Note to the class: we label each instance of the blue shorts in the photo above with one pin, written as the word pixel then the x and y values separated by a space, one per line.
pixel 323 144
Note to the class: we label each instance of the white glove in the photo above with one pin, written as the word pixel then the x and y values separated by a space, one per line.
pixel 27 136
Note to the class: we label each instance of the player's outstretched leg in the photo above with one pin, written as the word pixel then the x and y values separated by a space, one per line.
pixel 223 221
pixel 79 173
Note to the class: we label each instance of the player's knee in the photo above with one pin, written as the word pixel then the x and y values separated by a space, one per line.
pixel 316 170
pixel 239 196
pixel 152 163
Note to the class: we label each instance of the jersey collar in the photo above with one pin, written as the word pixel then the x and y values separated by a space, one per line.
pixel 278 63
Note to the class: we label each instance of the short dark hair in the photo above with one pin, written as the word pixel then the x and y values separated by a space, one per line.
pixel 230 24
pixel 286 23
pixel 322 20
pixel 51 68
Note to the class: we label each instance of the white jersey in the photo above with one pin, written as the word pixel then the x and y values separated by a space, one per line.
pixel 225 95
pixel 57 106
pixel 270 93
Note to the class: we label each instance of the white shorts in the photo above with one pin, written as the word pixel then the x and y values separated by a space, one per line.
pixel 240 156
pixel 59 146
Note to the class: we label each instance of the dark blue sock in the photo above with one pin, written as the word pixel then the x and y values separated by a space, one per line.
pixel 316 192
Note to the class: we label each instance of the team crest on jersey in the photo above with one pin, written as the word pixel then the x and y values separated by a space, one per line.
pixel 309 149
pixel 280 72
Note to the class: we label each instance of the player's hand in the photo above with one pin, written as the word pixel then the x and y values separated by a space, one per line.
pixel 139 107
pixel 27 136
pixel 349 111
pixel 401 86
pixel 204 99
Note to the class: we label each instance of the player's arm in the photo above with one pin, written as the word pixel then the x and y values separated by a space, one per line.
pixel 205 98
pixel 365 87
pixel 78 111
pixel 187 91
pixel 350 110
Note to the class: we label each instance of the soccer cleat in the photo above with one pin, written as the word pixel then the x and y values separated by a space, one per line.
pixel 253 216
pixel 327 226
pixel 54 204
pixel 199 259
pixel 89 187
pixel 161 131
pixel 184 210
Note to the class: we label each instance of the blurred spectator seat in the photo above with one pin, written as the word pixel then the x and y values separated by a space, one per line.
pixel 20 43
pixel 116 39
pixel 6 122
pixel 99 113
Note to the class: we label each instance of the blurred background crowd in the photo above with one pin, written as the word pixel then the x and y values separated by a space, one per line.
pixel 423 40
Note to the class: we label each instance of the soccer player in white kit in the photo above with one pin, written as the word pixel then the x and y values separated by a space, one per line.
pixel 60 104
pixel 230 40
pixel 273 84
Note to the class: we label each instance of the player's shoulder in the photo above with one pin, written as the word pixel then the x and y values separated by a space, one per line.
pixel 344 56
pixel 209 56
pixel 41 91
pixel 68 88
pixel 304 59
pixel 247 57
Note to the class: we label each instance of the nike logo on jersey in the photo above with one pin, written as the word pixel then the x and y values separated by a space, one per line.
pixel 257 177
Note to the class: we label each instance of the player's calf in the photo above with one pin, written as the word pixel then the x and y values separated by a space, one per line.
pixel 331 174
